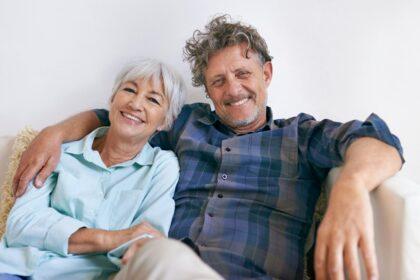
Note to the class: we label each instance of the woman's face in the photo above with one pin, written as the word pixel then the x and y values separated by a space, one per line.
pixel 138 109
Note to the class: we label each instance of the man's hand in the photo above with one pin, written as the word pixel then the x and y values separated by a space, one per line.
pixel 347 226
pixel 41 157
pixel 43 154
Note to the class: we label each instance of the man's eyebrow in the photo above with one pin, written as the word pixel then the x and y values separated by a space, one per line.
pixel 242 69
pixel 217 76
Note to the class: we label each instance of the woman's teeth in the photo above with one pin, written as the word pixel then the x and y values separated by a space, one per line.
pixel 131 117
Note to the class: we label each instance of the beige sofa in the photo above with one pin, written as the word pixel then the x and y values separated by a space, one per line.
pixel 396 205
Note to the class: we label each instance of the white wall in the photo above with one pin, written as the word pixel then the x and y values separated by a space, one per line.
pixel 333 59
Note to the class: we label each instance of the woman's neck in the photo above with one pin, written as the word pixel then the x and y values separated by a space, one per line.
pixel 114 149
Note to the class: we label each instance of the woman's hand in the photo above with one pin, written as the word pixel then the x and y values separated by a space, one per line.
pixel 90 240
pixel 144 228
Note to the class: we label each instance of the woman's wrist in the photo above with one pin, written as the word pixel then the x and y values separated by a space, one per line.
pixel 109 240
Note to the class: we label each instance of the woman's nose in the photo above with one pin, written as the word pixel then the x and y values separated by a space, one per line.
pixel 137 103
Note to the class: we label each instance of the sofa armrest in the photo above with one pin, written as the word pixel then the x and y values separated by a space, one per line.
pixel 396 212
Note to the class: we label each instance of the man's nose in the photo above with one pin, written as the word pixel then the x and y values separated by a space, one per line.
pixel 233 86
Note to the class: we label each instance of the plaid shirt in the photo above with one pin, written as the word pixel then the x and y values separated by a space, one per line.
pixel 247 201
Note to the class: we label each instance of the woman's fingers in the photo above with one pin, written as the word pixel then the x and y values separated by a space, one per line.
pixel 129 253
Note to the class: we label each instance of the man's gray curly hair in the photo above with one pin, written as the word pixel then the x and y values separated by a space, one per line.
pixel 220 33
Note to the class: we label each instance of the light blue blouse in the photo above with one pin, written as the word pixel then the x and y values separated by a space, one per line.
pixel 83 192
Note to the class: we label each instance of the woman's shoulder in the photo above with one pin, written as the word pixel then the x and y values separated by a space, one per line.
pixel 163 155
pixel 164 158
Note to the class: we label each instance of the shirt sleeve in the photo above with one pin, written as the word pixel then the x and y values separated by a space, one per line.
pixel 327 141
pixel 103 116
pixel 32 222
pixel 158 205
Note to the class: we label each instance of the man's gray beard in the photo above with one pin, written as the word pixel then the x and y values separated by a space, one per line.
pixel 240 123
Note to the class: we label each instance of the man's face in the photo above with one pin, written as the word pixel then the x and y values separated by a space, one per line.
pixel 238 87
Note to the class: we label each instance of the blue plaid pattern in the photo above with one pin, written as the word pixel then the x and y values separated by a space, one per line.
pixel 247 201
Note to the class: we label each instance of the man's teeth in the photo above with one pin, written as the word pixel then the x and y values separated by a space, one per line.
pixel 240 102
pixel 131 117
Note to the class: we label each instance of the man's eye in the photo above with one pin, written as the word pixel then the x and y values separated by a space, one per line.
pixel 154 100
pixel 243 74
pixel 217 83
pixel 129 90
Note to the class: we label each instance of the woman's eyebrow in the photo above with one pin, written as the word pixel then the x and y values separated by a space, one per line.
pixel 156 93
pixel 130 83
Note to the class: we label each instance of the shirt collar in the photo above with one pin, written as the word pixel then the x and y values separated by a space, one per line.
pixel 84 147
pixel 211 118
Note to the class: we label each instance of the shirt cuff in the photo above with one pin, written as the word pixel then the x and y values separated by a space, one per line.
pixel 57 238
pixel 115 255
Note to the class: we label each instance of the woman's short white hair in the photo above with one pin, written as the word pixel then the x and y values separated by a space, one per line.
pixel 158 72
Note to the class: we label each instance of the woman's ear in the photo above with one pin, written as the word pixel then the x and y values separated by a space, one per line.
pixel 160 128
pixel 112 98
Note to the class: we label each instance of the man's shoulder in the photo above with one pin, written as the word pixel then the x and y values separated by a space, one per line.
pixel 192 111
pixel 196 107
pixel 299 120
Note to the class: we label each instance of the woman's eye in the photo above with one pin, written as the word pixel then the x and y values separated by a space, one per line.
pixel 129 90
pixel 154 100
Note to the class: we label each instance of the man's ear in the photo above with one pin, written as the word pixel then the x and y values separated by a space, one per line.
pixel 267 72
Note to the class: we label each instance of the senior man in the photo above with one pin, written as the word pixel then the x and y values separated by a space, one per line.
pixel 248 183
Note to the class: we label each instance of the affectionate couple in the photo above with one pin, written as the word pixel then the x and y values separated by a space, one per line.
pixel 234 189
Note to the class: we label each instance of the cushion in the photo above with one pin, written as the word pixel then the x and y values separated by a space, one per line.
pixel 21 142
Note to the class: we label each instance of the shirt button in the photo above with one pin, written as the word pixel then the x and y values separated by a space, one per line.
pixel 224 176
pixel 220 195
pixel 227 149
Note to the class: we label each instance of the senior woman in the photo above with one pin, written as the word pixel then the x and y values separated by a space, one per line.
pixel 104 189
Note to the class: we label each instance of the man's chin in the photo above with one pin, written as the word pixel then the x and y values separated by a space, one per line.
pixel 236 122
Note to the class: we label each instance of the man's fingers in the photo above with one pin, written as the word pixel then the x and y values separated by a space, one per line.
pixel 22 183
pixel 367 246
pixel 16 179
pixel 45 172
pixel 351 261
pixel 335 261
pixel 320 261
pixel 26 177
